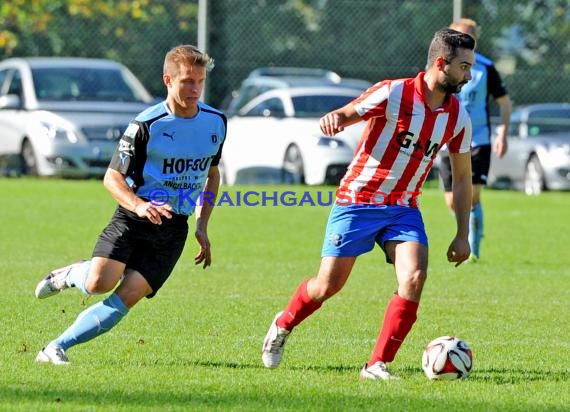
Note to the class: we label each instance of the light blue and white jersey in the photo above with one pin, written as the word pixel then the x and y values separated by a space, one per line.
pixel 167 158
pixel 474 96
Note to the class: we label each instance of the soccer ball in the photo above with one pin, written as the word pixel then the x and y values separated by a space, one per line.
pixel 447 358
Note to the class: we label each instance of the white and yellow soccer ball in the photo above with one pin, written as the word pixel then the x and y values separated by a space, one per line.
pixel 447 358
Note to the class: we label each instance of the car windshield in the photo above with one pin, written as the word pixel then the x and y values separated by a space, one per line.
pixel 75 83
pixel 318 105
pixel 549 121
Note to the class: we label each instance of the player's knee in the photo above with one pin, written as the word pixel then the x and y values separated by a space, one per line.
pixel 418 278
pixel 320 291
pixel 97 284
pixel 133 288
pixel 412 285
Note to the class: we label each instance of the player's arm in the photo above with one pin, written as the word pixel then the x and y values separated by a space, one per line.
pixel 203 213
pixel 497 89
pixel 115 182
pixel 459 249
pixel 500 144
pixel 121 165
pixel 335 121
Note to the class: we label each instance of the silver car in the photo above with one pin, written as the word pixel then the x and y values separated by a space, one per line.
pixel 64 116
pixel 538 155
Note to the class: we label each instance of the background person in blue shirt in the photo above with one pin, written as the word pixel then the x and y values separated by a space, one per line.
pixel 485 85
pixel 172 148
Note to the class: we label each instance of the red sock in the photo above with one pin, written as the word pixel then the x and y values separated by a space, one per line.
pixel 300 307
pixel 398 321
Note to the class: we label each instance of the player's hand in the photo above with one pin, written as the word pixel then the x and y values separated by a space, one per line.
pixel 152 212
pixel 330 124
pixel 458 251
pixel 500 142
pixel 204 254
pixel 500 147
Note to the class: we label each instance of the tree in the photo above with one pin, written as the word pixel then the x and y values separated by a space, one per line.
pixel 136 33
pixel 530 42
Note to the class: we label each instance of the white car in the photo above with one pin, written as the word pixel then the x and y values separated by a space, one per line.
pixel 64 116
pixel 538 154
pixel 275 138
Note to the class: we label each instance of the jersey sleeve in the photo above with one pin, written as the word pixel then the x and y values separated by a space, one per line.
pixel 124 156
pixel 373 102
pixel 218 155
pixel 495 84
pixel 224 128
pixel 461 141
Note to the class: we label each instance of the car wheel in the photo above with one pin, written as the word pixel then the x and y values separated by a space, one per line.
pixel 293 169
pixel 534 177
pixel 29 160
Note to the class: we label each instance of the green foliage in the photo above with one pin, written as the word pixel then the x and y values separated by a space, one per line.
pixel 196 345
pixel 530 41
pixel 374 40
pixel 121 30
pixel 367 39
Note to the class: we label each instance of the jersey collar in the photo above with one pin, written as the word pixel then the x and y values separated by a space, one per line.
pixel 419 88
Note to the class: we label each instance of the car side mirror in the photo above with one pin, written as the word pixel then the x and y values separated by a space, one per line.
pixel 10 102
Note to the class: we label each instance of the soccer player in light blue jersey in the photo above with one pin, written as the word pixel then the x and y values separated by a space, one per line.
pixel 166 158
pixel 485 85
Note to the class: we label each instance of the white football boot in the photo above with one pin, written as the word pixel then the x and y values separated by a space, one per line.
pixel 376 371
pixel 55 282
pixel 274 344
pixel 54 354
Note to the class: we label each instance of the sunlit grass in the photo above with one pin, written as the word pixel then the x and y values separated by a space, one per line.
pixel 196 345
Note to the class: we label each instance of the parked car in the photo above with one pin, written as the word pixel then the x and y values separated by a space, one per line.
pixel 276 137
pixel 538 155
pixel 264 79
pixel 64 116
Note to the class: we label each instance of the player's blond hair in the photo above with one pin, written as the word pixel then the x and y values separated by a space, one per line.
pixel 186 54
pixel 468 26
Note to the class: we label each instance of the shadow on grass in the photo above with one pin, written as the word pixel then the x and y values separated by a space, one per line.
pixel 235 365
pixel 491 375
pixel 200 397
pixel 109 398
pixel 508 376
pixel 228 393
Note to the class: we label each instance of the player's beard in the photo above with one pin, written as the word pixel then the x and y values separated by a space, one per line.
pixel 451 85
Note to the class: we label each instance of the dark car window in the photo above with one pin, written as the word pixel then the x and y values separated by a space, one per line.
pixel 82 84
pixel 245 95
pixel 514 128
pixel 318 105
pixel 269 107
pixel 548 121
pixel 15 84
pixel 3 75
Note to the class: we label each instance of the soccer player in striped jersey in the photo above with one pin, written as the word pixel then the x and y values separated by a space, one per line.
pixel 167 156
pixel 486 84
pixel 408 121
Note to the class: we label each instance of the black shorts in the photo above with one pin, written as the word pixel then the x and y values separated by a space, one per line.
pixel 480 163
pixel 150 249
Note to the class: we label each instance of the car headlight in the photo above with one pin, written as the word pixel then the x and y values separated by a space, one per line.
pixel 330 142
pixel 54 132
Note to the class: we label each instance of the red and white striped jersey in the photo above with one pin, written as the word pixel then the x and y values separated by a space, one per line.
pixel 400 142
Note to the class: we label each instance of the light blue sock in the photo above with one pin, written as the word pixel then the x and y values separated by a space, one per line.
pixel 78 275
pixel 476 229
pixel 93 321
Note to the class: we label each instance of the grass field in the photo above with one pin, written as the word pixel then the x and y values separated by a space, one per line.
pixel 196 345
